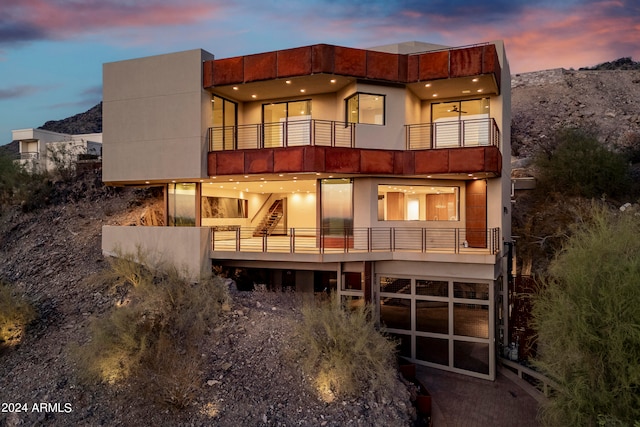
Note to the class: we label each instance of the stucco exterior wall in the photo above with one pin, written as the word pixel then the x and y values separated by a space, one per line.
pixel 186 248
pixel 155 118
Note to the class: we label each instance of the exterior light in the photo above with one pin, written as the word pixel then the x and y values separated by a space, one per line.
pixel 435 95
pixel 332 80
pixel 254 96
pixel 302 90
pixel 475 80
pixel 288 82
pixel 235 88
pixel 427 85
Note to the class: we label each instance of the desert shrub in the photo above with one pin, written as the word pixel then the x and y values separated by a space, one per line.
pixel 152 339
pixel 15 315
pixel 587 317
pixel 342 351
pixel 579 165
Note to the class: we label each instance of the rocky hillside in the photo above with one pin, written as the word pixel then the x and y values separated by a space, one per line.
pixel 88 122
pixel 603 100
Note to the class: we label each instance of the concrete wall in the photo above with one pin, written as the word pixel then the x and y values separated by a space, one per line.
pixel 155 117
pixel 185 247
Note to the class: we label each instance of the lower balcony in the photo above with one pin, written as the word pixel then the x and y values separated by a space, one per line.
pixel 358 240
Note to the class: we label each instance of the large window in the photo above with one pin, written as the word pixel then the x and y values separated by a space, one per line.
pixel 337 206
pixel 182 204
pixel 287 123
pixel 224 134
pixel 461 123
pixel 417 203
pixel 365 108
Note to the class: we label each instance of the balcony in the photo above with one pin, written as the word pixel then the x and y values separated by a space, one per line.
pixel 29 155
pixel 296 133
pixel 453 134
pixel 326 133
pixel 358 240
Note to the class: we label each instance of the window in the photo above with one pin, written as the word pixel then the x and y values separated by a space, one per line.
pixel 337 206
pixel 417 203
pixel 460 123
pixel 223 207
pixel 287 123
pixel 223 136
pixel 182 204
pixel 365 108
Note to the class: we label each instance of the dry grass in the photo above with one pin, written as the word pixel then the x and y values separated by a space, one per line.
pixel 342 350
pixel 152 339
pixel 15 314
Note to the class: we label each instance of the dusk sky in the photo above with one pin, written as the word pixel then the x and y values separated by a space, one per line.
pixel 52 51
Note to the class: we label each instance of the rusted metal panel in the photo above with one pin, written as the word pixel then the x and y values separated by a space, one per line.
pixel 211 164
pixel 466 160
pixel 382 66
pixel 432 161
pixel 294 62
pixel 258 161
pixel 344 160
pixel 261 66
pixel 350 62
pixel 466 61
pixel 207 74
pixel 491 63
pixel 288 159
pixel 230 162
pixel 376 161
pixel 323 58
pixel 228 71
pixel 476 213
pixel 433 65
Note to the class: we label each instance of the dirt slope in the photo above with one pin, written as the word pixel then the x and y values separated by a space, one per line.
pixel 53 256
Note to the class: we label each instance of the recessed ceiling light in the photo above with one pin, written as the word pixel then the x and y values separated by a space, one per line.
pixel 435 95
pixel 427 85
pixel 466 91
pixel 254 96
pixel 235 88
pixel 475 80
pixel 332 80
pixel 479 90
pixel 288 82
pixel 302 90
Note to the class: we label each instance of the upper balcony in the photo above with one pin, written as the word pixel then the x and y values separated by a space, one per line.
pixel 466 147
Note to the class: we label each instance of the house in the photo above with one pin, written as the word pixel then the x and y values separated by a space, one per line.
pixel 43 150
pixel 381 174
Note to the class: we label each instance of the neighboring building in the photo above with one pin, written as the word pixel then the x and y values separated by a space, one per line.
pixel 42 150
pixel 382 174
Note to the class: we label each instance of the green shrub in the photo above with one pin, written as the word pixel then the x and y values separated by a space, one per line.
pixel 579 165
pixel 152 339
pixel 15 315
pixel 342 351
pixel 587 317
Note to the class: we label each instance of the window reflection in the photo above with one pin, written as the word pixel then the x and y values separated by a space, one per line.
pixel 182 204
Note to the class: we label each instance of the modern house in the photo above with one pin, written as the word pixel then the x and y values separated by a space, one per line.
pixel 381 174
pixel 41 150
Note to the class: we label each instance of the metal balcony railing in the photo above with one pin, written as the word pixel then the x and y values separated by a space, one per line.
pixel 282 134
pixel 358 240
pixel 453 134
pixel 29 155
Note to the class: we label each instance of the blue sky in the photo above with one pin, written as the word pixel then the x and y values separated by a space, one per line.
pixel 52 51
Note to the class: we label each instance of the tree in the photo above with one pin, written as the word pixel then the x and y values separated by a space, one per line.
pixel 579 165
pixel 587 316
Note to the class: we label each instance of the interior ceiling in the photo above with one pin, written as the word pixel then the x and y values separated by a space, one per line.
pixel 314 84
pixel 306 184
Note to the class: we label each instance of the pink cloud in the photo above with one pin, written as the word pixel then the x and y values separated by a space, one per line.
pixel 541 39
pixel 64 18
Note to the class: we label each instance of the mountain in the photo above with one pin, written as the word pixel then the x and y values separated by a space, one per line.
pixel 88 122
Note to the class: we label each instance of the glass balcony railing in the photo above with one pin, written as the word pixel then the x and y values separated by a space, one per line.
pixel 453 134
pixel 282 134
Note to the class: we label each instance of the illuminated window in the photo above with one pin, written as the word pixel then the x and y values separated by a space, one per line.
pixel 417 203
pixel 365 108
pixel 182 204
